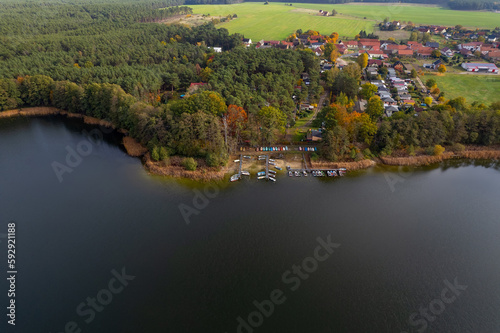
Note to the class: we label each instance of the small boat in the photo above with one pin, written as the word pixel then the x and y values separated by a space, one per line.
pixel 247 157
pixel 271 160
pixel 290 174
pixel 272 179
pixel 235 177
pixel 261 173
pixel 277 167
pixel 261 177
pixel 272 172
pixel 304 173
pixel 236 161
pixel 297 174
pixel 245 173
pixel 271 163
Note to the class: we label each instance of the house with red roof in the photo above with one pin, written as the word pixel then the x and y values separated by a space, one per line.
pixel 405 53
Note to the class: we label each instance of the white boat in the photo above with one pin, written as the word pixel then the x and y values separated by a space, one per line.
pixel 235 177
pixel 245 173
pixel 272 179
pixel 236 161
pixel 261 177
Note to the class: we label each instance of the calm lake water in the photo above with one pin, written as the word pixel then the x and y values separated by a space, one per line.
pixel 400 240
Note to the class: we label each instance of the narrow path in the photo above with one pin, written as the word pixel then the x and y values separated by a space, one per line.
pixel 320 105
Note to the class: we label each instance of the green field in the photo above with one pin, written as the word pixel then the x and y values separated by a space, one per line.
pixel 425 14
pixel 481 88
pixel 276 21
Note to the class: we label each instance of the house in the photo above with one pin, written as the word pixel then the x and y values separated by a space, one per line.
pixel 390 109
pixel 373 71
pixel 414 45
pixel 492 38
pixel 376 54
pixel 313 135
pixel 372 44
pixel 436 64
pixel 195 86
pixel 247 42
pixel 216 49
pixel 403 95
pixel 375 63
pixel 494 55
pixel 341 48
pixel 351 44
pixel 388 101
pixel 395 47
pixel 409 102
pixel 466 53
pixel 480 67
pixel 447 52
pixel 405 53
pixel 434 45
pixel 424 52
pixel 473 46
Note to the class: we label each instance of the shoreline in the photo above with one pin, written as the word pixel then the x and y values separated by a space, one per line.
pixel 204 173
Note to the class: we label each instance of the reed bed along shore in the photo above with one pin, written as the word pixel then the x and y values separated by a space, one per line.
pixel 350 166
pixel 174 168
pixel 473 154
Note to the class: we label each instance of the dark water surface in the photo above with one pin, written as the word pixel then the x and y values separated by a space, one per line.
pixel 398 236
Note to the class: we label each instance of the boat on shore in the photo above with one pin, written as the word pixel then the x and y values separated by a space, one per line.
pixel 235 177
pixel 277 168
pixel 245 173
pixel 261 173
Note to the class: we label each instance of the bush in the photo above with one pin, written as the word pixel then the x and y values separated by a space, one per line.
pixel 368 154
pixel 458 147
pixel 190 164
pixel 155 155
pixel 438 150
pixel 411 150
pixel 163 154
pixel 314 157
pixel 213 160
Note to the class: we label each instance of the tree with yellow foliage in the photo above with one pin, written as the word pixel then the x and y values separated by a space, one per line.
pixel 442 68
pixel 362 60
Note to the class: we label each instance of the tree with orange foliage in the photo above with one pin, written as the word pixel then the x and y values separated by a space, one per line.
pixel 236 118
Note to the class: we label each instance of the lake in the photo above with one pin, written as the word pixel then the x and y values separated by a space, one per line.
pixel 102 246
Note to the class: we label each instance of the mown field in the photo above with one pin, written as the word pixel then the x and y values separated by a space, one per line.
pixel 425 14
pixel 276 21
pixel 481 88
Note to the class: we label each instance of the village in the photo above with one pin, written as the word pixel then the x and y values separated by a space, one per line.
pixel 395 67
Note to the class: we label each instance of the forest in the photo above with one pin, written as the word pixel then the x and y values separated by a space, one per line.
pixel 111 60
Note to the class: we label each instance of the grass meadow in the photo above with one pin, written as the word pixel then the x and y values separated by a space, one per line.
pixel 474 87
pixel 276 20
